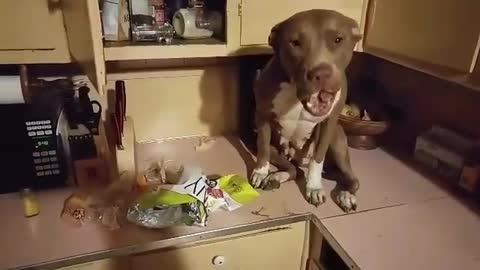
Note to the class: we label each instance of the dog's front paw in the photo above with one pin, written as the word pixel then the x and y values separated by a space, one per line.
pixel 259 175
pixel 314 189
pixel 347 201
pixel 316 196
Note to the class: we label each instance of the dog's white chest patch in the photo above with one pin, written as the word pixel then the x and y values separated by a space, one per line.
pixel 296 123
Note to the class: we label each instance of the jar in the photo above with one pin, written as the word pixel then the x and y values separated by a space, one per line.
pixel 30 203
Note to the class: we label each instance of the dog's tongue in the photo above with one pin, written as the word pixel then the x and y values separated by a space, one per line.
pixel 319 103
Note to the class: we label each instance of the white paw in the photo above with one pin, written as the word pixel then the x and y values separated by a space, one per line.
pixel 347 201
pixel 259 175
pixel 316 196
pixel 315 193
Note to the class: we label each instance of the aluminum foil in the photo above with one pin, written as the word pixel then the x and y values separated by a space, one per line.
pixel 165 216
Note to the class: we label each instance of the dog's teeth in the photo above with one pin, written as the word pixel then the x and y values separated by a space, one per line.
pixel 309 104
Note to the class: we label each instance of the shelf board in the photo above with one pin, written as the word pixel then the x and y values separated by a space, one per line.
pixel 128 50
pixel 464 79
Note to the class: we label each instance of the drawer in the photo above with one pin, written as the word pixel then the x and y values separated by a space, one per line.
pixel 258 17
pixel 271 249
pixel 107 264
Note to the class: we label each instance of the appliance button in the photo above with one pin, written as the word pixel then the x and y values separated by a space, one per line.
pixel 45 159
pixel 29 128
pixel 47 122
pixel 48 126
pixel 53 159
pixel 37 161
pixel 52 152
pixel 44 153
pixel 47 167
pixel 35 154
pixel 28 123
pixel 40 133
pixel 40 173
pixel 38 168
pixel 32 133
pixel 48 172
pixel 56 171
pixel 48 132
pixel 55 166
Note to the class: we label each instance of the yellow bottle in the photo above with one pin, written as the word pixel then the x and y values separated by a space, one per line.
pixel 30 203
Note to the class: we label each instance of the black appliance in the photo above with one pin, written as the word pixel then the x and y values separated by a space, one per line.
pixel 32 142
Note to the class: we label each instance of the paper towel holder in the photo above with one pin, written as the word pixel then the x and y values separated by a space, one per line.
pixel 26 91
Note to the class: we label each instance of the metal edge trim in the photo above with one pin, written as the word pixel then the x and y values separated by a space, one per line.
pixel 166 243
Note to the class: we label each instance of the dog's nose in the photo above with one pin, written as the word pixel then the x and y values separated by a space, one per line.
pixel 320 73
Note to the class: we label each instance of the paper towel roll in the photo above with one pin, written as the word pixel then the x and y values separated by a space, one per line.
pixel 11 90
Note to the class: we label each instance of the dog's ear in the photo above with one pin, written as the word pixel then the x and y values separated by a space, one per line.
pixel 273 37
pixel 356 33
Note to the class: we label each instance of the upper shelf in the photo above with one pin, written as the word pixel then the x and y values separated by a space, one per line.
pixel 127 50
pixel 464 79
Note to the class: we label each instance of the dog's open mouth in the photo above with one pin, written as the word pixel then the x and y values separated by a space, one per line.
pixel 320 103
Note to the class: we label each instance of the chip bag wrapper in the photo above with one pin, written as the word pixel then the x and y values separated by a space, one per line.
pixel 191 201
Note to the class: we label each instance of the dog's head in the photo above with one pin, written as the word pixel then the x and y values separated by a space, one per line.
pixel 314 47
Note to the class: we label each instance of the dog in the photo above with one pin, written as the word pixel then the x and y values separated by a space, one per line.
pixel 299 95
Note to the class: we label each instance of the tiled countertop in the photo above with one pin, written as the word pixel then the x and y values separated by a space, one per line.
pixel 408 210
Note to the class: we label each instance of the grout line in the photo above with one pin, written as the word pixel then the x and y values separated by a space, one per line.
pixel 364 211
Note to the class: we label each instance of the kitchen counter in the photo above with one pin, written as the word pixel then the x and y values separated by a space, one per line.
pixel 408 211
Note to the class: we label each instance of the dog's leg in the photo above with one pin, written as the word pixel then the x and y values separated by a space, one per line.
pixel 324 132
pixel 314 189
pixel 264 134
pixel 348 182
pixel 286 170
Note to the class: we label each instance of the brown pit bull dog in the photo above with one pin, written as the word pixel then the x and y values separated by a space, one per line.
pixel 299 96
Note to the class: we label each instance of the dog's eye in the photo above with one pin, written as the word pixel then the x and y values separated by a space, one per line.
pixel 338 40
pixel 295 43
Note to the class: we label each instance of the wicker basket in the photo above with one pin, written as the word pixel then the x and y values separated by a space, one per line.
pixel 361 134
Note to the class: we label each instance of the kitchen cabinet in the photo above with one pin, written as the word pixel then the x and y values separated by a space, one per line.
pixel 442 33
pixel 248 24
pixel 206 99
pixel 32 32
pixel 84 32
pixel 275 248
pixel 258 17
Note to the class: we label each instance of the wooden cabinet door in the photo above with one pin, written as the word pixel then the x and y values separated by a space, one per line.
pixel 25 24
pixel 258 17
pixel 443 32
pixel 84 32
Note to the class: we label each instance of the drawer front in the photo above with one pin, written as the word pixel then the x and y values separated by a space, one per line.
pixel 107 264
pixel 280 249
pixel 258 17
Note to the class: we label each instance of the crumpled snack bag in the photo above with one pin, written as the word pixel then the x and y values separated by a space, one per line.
pixel 236 191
